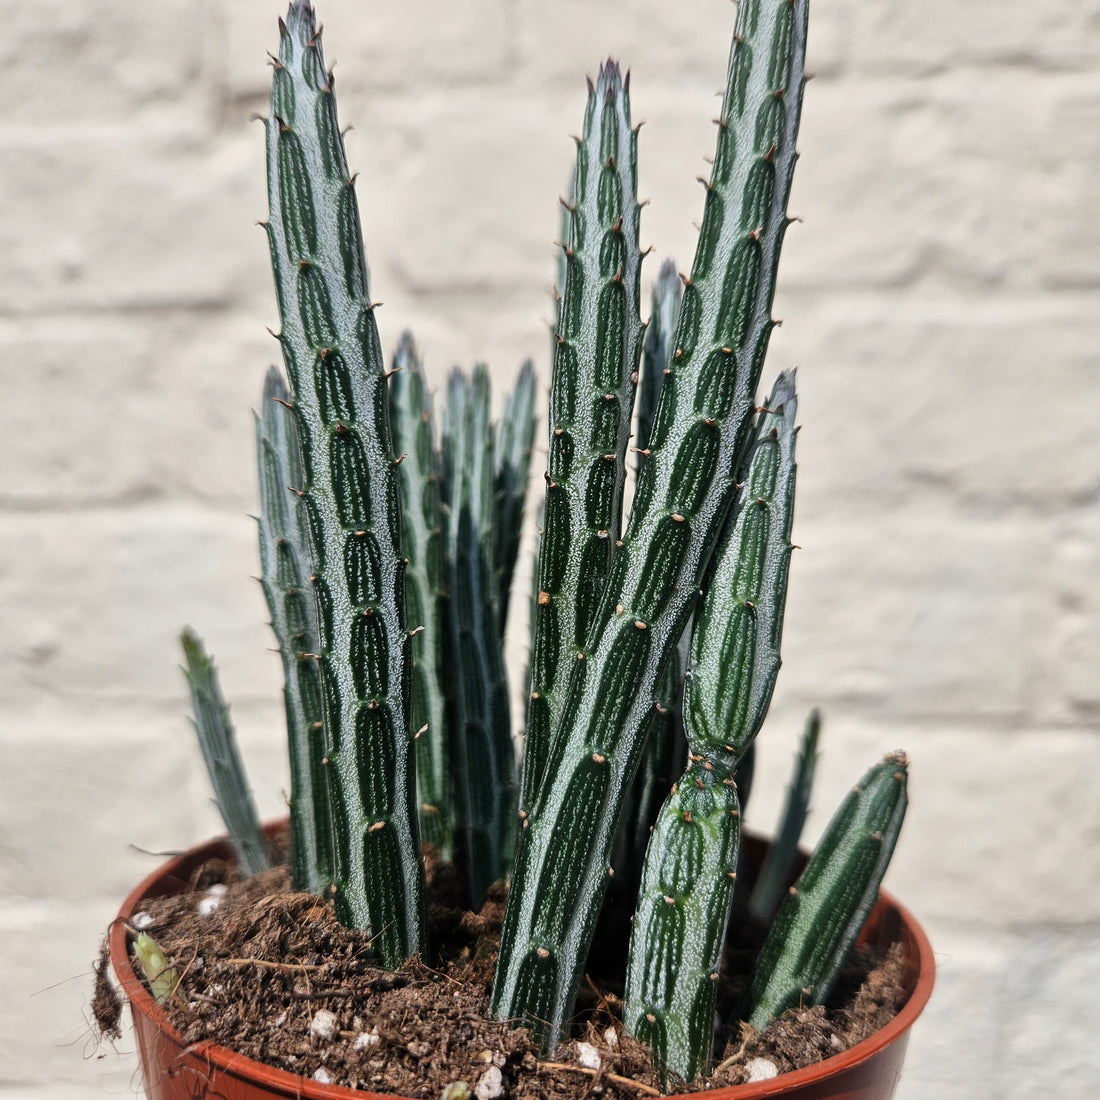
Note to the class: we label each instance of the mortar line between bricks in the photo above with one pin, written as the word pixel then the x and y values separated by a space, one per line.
pixel 958 724
pixel 969 504
pixel 125 504
pixel 981 307
pixel 182 310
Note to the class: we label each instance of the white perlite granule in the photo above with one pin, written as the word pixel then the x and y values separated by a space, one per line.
pixel 588 1056
pixel 760 1069
pixel 323 1024
pixel 207 905
pixel 490 1084
pixel 366 1039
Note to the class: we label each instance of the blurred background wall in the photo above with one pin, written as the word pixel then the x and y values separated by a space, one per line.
pixel 940 300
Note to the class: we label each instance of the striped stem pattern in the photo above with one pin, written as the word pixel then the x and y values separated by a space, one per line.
pixel 218 742
pixel 662 763
pixel 701 432
pixel 662 759
pixel 775 871
pixel 691 862
pixel 349 497
pixel 485 757
pixel 599 338
pixel 515 438
pixel 823 912
pixel 425 595
pixel 284 575
pixel 657 350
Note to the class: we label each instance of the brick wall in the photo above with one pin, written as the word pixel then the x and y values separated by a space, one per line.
pixel 941 302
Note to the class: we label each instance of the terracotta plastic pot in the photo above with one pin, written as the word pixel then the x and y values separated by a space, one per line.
pixel 175 1071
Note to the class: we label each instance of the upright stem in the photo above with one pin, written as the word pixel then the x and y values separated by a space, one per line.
pixel 349 498
pixel 702 429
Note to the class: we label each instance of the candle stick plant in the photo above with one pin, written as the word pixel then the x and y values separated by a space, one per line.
pixel 389 534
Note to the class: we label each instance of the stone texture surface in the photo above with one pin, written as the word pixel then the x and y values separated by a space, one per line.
pixel 939 298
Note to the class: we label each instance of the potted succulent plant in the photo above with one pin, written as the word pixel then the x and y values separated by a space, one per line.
pixel 387 562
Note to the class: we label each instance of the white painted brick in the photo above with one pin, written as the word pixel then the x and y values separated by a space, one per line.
pixel 136 779
pixel 1074 241
pixel 950 400
pixel 1050 1047
pixel 454 329
pixel 110 1073
pixel 468 198
pixel 94 603
pixel 173 391
pixel 46 1039
pixel 70 63
pixel 1069 661
pixel 679 132
pixel 939 36
pixel 112 1078
pixel 967 853
pixel 926 614
pixel 406 46
pixel 939 182
pixel 953 1047
pixel 562 42
pixel 113 221
pixel 664 46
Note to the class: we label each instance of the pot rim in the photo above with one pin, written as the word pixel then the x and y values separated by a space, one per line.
pixel 292 1084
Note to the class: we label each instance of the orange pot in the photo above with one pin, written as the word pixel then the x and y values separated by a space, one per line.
pixel 175 1071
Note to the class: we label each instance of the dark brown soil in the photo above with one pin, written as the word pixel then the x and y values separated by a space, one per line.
pixel 106 1000
pixel 273 975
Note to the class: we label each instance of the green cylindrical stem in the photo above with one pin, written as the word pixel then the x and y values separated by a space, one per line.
pixel 657 350
pixel 349 498
pixel 284 574
pixel 823 912
pixel 775 871
pixel 218 742
pixel 565 219
pixel 661 765
pixel 691 862
pixel 482 728
pixel 515 437
pixel 425 595
pixel 680 922
pixel 663 758
pixel 701 433
pixel 599 338
pixel 735 642
pixel 746 771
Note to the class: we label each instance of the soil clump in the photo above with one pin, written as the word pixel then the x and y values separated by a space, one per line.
pixel 271 974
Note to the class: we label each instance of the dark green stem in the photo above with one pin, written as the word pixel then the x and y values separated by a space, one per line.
pixel 425 596
pixel 599 337
pixel 218 742
pixel 483 743
pixel 823 912
pixel 515 438
pixel 691 862
pixel 349 498
pixel 285 568
pixel 702 429
pixel 775 871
